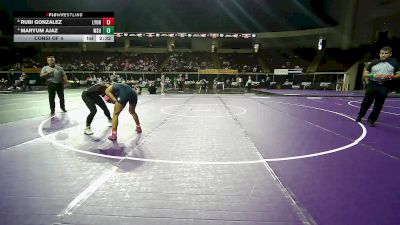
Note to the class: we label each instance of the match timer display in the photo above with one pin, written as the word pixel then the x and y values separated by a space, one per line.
pixel 64 27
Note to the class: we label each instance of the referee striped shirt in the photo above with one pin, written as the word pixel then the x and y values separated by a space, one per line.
pixel 389 66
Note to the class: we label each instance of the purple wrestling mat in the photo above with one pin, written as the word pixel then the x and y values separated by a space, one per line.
pixel 205 159
pixel 317 93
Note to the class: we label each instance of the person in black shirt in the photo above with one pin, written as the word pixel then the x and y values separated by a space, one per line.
pixel 91 97
pixel 381 73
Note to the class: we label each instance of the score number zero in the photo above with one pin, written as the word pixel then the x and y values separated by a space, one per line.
pixel 107 30
pixel 106 22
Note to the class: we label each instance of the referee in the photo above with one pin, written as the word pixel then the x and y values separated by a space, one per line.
pixel 380 73
pixel 55 80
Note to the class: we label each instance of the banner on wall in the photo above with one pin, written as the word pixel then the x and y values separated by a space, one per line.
pixel 31 70
pixel 218 71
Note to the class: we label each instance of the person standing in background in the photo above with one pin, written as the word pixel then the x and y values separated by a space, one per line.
pixel 162 84
pixel 380 73
pixel 55 79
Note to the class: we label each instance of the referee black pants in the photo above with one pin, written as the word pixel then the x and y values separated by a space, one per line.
pixel 376 93
pixel 54 88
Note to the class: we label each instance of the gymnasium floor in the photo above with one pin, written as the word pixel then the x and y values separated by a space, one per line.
pixel 239 159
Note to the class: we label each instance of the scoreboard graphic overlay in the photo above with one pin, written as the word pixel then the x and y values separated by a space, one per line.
pixel 63 27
